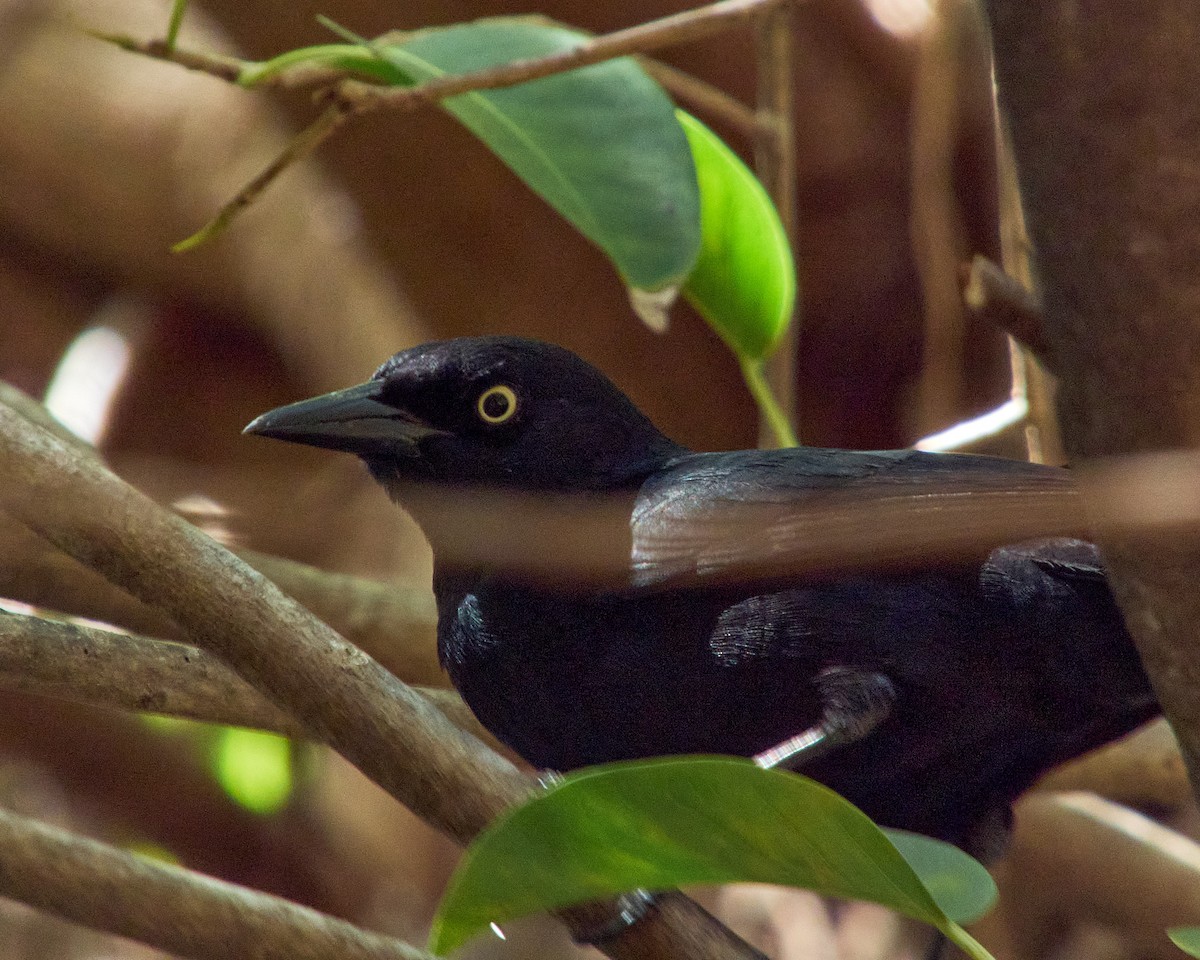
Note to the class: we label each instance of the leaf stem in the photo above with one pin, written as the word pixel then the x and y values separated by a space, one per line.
pixel 754 373
pixel 178 8
pixel 966 943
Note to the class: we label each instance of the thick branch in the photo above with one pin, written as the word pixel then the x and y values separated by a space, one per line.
pixel 338 693
pixel 396 625
pixel 1102 107
pixel 86 664
pixel 171 908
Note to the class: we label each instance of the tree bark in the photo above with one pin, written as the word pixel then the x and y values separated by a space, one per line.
pixel 1101 97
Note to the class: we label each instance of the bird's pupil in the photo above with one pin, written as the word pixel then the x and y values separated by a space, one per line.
pixel 495 405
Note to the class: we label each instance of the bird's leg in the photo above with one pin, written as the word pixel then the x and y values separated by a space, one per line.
pixel 854 702
pixel 622 913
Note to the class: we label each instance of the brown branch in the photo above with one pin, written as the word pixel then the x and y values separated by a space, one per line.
pixel 666 31
pixel 775 164
pixel 90 665
pixel 703 96
pixel 169 907
pixel 876 526
pixel 1143 771
pixel 992 295
pixel 1103 121
pixel 1130 874
pixel 338 693
pixel 937 229
pixel 341 695
pixel 396 625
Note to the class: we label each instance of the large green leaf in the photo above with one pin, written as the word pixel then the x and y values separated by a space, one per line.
pixel 600 144
pixel 744 283
pixel 660 824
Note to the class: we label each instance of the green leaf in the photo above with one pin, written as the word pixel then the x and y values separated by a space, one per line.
pixel 600 144
pixel 660 824
pixel 959 883
pixel 744 283
pixel 1186 939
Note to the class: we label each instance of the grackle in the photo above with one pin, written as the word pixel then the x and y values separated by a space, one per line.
pixel 998 667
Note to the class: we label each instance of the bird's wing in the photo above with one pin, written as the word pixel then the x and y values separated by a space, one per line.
pixel 758 516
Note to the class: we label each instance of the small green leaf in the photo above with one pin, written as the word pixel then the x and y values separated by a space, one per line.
pixel 600 144
pixel 744 283
pixel 254 768
pixel 960 884
pixel 1186 939
pixel 660 824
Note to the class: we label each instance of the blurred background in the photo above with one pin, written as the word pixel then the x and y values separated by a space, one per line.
pixel 402 230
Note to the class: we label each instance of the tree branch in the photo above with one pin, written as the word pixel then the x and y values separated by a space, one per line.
pixel 708 99
pixel 86 664
pixel 169 907
pixel 348 97
pixel 666 31
pixel 339 694
pixel 396 625
pixel 336 692
pixel 992 295
pixel 1103 115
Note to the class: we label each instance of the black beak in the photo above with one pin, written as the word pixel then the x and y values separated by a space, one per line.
pixel 354 420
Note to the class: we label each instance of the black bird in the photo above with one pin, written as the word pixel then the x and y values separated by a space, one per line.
pixel 1000 667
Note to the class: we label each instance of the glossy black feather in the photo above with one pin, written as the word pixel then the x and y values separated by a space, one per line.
pixel 1003 666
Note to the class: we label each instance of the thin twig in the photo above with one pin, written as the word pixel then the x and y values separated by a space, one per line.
pixel 299 147
pixel 992 295
pixel 775 164
pixel 349 97
pixel 710 100
pixel 214 64
pixel 666 31
pixel 174 909
pixel 937 231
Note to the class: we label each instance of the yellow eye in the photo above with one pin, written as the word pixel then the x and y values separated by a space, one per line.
pixel 496 404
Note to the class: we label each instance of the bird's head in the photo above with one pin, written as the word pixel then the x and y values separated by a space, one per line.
pixel 497 411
